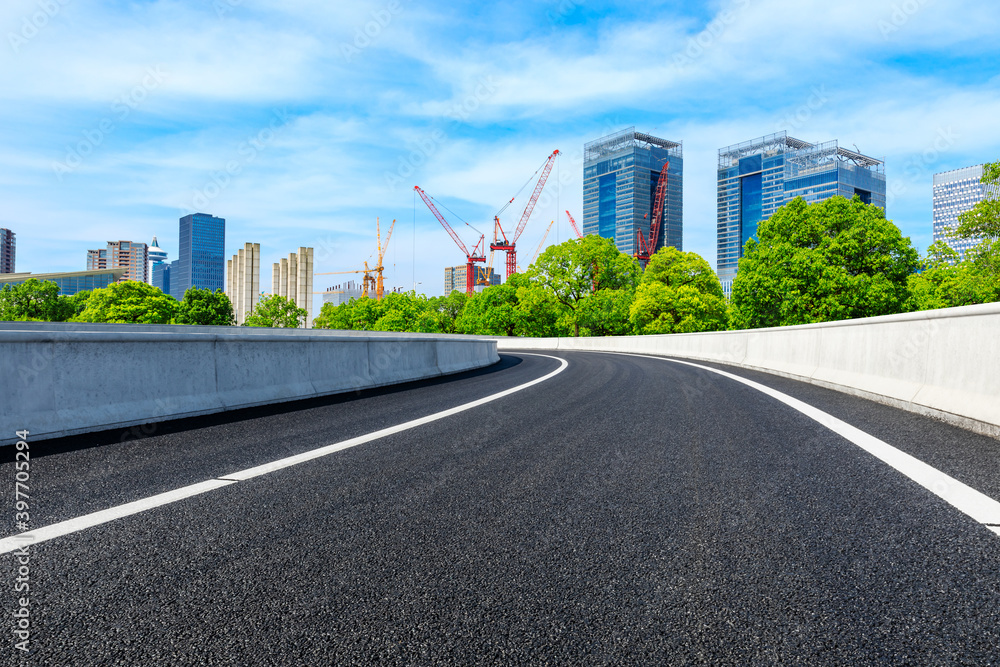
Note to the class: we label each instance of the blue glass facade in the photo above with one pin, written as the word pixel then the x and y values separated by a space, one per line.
pixel 201 261
pixel 161 276
pixel 71 283
pixel 620 173
pixel 757 177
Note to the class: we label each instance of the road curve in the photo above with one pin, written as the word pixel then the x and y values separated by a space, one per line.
pixel 624 511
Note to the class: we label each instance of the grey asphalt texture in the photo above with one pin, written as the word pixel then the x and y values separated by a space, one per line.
pixel 628 511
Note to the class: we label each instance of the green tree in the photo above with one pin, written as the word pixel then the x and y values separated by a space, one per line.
pixel 32 300
pixel 574 270
pixel 276 311
pixel 448 309
pixel 983 222
pixel 678 293
pixel 493 312
pixel 834 260
pixel 71 307
pixel 606 313
pixel 129 302
pixel 945 281
pixel 203 306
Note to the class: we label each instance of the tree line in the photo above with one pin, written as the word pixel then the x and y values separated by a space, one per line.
pixel 833 260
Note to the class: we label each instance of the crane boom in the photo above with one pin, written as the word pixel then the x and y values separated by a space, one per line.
pixel 575 228
pixel 645 250
pixel 534 196
pixel 440 218
pixel 538 250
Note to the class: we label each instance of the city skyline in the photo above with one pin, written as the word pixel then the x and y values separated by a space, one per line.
pixel 297 126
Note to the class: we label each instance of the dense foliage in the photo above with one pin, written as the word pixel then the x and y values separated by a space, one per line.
pixel 203 306
pixel 275 311
pixel 834 260
pixel 129 302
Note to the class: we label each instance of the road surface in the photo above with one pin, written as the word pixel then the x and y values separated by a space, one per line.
pixel 619 510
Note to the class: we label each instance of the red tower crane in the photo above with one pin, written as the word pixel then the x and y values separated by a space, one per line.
pixel 470 257
pixel 500 240
pixel 575 228
pixel 647 249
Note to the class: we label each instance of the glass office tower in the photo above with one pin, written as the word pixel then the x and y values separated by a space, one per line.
pixel 756 178
pixel 956 192
pixel 620 172
pixel 201 261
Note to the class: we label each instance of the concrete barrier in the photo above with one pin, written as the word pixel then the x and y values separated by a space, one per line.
pixel 64 379
pixel 942 363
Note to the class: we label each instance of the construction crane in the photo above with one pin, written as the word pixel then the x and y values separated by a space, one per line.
pixel 373 282
pixel 575 228
pixel 471 258
pixel 509 245
pixel 646 249
pixel 538 250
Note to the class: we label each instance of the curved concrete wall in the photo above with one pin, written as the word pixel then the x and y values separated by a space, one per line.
pixel 62 379
pixel 943 363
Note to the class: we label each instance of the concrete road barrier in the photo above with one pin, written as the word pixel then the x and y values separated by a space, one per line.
pixel 64 379
pixel 942 363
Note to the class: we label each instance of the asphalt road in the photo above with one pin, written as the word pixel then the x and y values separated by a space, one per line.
pixel 625 511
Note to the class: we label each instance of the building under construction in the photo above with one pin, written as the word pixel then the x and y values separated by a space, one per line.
pixel 339 294
pixel 454 278
pixel 620 175
pixel 292 278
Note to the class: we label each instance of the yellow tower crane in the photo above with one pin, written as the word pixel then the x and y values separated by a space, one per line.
pixel 373 282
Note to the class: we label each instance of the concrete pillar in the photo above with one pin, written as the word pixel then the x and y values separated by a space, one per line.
pixel 275 277
pixel 283 288
pixel 229 279
pixel 253 293
pixel 293 274
pixel 240 284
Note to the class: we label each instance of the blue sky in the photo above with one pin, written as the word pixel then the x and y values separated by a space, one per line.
pixel 300 121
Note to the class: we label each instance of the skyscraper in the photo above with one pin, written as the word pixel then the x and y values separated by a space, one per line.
pixel 757 177
pixel 620 173
pixel 8 247
pixel 956 192
pixel 133 257
pixel 157 257
pixel 201 258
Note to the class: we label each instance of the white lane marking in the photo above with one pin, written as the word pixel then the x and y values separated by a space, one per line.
pixel 15 542
pixel 977 505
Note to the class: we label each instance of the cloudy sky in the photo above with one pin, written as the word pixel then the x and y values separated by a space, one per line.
pixel 301 121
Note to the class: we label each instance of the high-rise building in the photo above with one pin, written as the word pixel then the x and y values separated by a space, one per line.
pixel 956 192
pixel 157 256
pixel 71 282
pixel 620 173
pixel 243 280
pixel 133 257
pixel 8 247
pixel 292 278
pixel 454 278
pixel 757 177
pixel 201 258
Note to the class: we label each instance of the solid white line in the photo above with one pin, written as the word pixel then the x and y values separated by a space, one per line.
pixel 977 505
pixel 9 544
